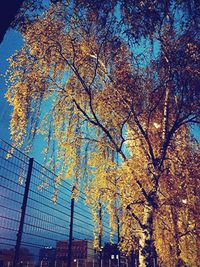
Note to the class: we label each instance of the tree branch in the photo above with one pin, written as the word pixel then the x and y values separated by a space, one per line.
pixel 135 216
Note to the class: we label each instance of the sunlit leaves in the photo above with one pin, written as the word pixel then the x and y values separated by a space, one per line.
pixel 116 124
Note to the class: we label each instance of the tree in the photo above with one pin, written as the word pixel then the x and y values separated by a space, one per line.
pixel 115 117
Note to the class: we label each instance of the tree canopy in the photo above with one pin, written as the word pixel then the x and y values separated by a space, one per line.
pixel 121 82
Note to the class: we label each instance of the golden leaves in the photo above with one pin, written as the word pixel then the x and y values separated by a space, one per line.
pixel 96 105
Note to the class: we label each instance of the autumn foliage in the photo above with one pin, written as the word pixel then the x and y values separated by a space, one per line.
pixel 115 90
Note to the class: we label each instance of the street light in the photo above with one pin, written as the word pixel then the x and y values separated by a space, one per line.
pixel 114 257
pixel 75 260
pixel 110 261
pixel 117 257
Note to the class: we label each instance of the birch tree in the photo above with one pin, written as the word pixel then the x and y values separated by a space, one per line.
pixel 118 118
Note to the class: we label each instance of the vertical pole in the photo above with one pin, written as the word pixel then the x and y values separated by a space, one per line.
pixel 118 233
pixel 100 236
pixel 133 260
pixel 69 259
pixel 23 212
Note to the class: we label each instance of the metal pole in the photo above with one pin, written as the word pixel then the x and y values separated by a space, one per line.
pixel 71 231
pixel 118 232
pixel 100 236
pixel 23 212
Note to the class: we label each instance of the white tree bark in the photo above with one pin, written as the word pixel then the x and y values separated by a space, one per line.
pixel 165 115
pixel 146 240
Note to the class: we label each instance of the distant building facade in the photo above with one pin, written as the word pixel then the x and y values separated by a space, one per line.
pixel 111 256
pixel 83 253
pixel 7 256
pixel 47 257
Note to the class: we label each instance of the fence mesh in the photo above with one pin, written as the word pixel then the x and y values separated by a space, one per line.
pixel 46 226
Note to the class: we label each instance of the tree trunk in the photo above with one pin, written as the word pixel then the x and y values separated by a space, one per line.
pixel 176 231
pixel 165 115
pixel 146 242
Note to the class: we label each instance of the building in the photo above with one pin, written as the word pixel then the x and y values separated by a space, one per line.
pixel 47 257
pixel 112 257
pixel 83 253
pixel 7 256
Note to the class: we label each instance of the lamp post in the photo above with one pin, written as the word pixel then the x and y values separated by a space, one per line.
pixel 75 260
pixel 117 257
pixel 113 256
pixel 100 235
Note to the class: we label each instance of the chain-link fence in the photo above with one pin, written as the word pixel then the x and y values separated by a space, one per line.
pixel 36 230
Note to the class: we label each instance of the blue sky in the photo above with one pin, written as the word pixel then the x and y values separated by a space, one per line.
pixel 12 41
pixel 82 228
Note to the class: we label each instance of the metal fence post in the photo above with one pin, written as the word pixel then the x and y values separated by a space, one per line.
pixel 69 258
pixel 23 212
